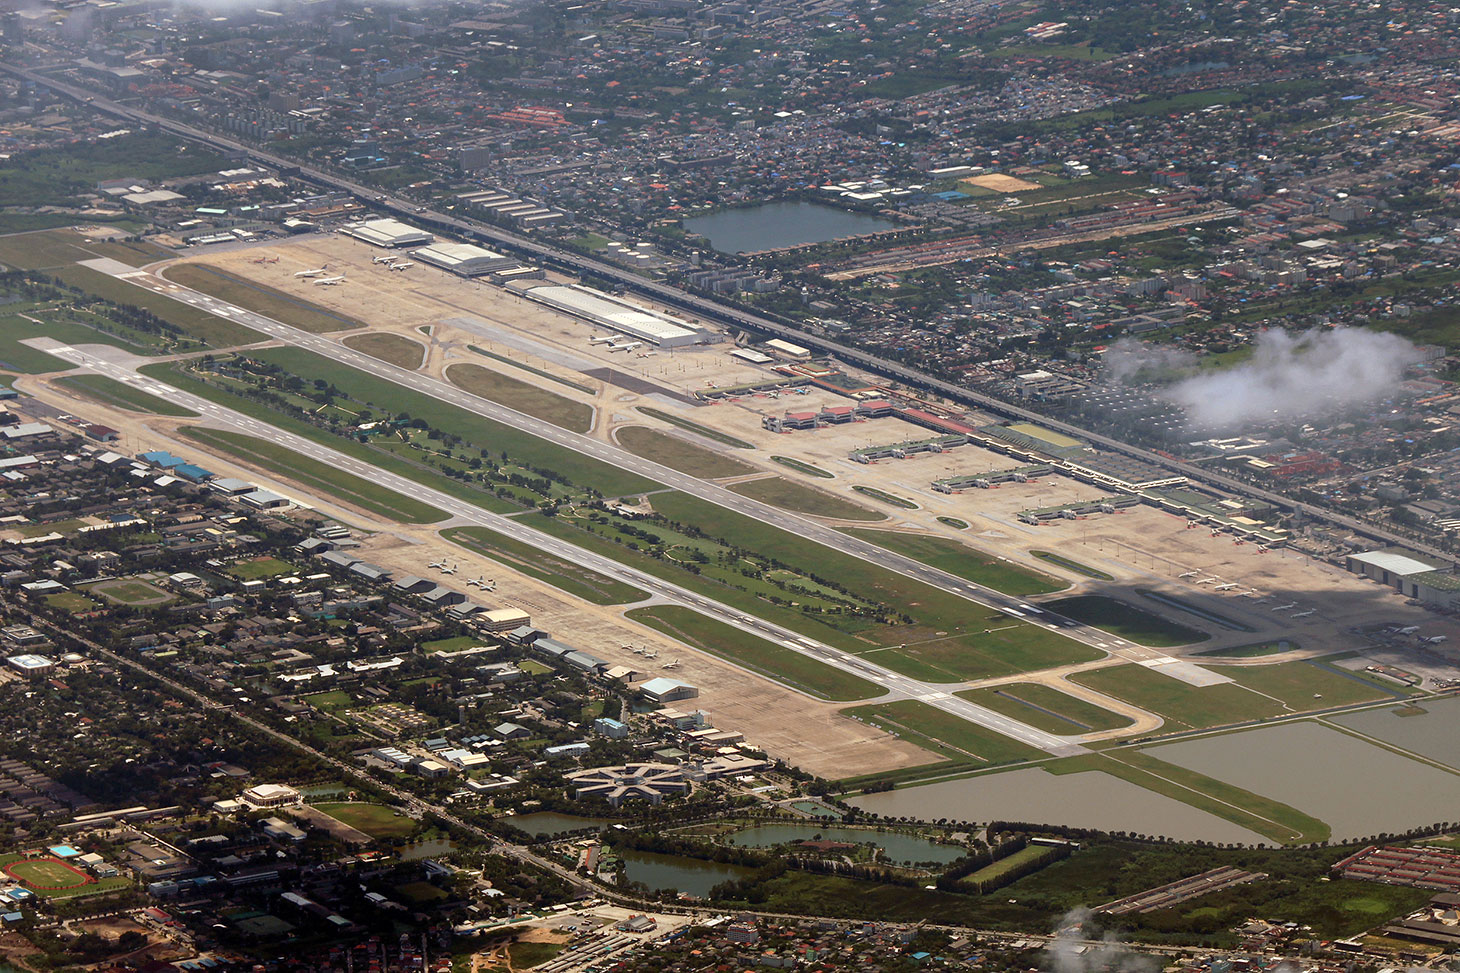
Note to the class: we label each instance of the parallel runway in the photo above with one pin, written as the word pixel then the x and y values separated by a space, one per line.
pixel 898 685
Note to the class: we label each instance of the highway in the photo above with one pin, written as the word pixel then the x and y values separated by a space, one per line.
pixel 713 310
pixel 122 369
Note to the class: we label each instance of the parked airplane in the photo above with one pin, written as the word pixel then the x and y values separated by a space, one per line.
pixel 671 665
pixel 383 258
pixel 1208 580
pixel 403 265
pixel 437 564
pixel 1283 608
pixel 316 272
pixel 1188 574
pixel 475 582
pixel 450 570
pixel 651 653
pixel 1225 587
pixel 1304 614
pixel 596 340
pixel 331 281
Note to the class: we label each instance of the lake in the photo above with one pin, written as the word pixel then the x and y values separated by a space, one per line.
pixel 774 226
pixel 1358 788
pixel 896 846
pixel 1085 800
pixel 543 823
pixel 690 875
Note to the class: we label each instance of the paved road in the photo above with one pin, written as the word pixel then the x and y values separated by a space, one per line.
pixel 122 367
pixel 712 309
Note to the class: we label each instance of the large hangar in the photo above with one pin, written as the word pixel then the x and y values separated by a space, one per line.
pixel 617 315
pixel 463 259
pixel 388 233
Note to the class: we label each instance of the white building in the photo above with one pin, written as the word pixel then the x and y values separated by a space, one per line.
pixel 388 233
pixel 271 795
pixel 463 259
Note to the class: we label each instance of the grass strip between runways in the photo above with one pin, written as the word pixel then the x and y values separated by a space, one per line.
pixel 333 483
pixel 752 652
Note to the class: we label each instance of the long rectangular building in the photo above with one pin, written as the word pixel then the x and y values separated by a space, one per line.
pixel 617 315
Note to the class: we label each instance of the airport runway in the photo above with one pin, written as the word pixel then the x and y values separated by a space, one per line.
pixel 122 367
pixel 608 453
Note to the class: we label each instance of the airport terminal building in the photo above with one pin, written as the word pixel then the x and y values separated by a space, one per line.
pixel 613 314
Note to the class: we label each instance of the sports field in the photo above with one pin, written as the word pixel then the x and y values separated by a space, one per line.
pixel 47 874
pixel 376 820
pixel 130 591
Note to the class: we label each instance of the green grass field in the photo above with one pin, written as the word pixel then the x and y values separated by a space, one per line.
pixel 259 568
pixel 789 495
pixel 335 699
pixel 109 391
pixel 454 644
pixel 801 467
pixel 1254 651
pixel 755 653
pixel 376 820
pixel 1046 708
pixel 528 398
pixel 1183 706
pixel 170 374
pixel 125 592
pixel 313 474
pixel 521 447
pixel 943 733
pixel 976 642
pixel 51 872
pixel 260 298
pixel 1126 620
pixel 17 357
pixel 540 373
pixel 954 522
pixel 1303 685
pixel 964 561
pixel 207 328
pixel 393 349
pixel 1075 566
pixel 71 601
pixel 680 454
pixel 1002 867
pixel 676 420
pixel 885 497
pixel 537 563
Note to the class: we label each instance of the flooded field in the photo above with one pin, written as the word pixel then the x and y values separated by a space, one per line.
pixel 1358 788
pixel 1086 800
pixel 897 847
pixel 1434 733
